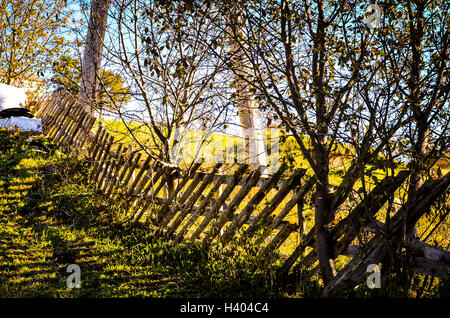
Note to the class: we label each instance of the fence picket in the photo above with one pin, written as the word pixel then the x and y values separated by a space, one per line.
pixel 108 167
pixel 164 211
pixel 229 212
pixel 212 213
pixel 194 215
pixel 245 214
pixel 192 196
pixel 276 200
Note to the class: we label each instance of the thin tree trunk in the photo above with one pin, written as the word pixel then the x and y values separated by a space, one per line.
pixel 420 143
pixel 92 57
pixel 320 153
pixel 255 154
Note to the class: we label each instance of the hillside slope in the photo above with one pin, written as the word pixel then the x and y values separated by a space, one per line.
pixel 50 217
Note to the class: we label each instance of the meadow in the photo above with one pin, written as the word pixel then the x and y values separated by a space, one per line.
pixel 374 173
pixel 52 216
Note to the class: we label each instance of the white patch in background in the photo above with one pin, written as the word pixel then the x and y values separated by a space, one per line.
pixel 11 97
pixel 22 123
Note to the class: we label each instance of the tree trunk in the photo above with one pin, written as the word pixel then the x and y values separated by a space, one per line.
pixel 92 57
pixel 420 140
pixel 255 154
pixel 320 153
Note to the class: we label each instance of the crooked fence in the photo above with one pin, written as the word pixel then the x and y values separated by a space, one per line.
pixel 208 207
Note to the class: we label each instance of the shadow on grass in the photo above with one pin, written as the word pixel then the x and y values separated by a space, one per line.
pixel 54 218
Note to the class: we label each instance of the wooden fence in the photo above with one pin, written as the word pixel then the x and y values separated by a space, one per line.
pixel 207 207
pixel 203 206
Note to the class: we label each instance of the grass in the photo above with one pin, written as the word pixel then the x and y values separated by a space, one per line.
pixel 374 173
pixel 51 217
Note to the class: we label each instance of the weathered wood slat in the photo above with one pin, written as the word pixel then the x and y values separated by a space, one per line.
pixel 347 230
pixel 99 155
pixel 102 153
pixel 103 183
pixel 205 179
pixel 45 104
pixel 376 198
pixel 101 141
pixel 126 167
pixel 148 200
pixel 430 267
pixel 54 112
pixel 190 190
pixel 48 122
pixel 376 250
pixel 132 168
pixel 307 241
pixel 59 119
pixel 245 214
pixel 293 202
pixel 108 162
pixel 229 212
pixel 282 235
pixel 138 178
pixel 276 200
pixel 163 214
pixel 104 162
pixel 166 171
pixel 154 178
pixel 47 116
pixel 296 198
pixel 68 130
pixel 120 173
pixel 95 142
pixel 359 217
pixel 69 142
pixel 146 183
pixel 65 122
pixel 113 170
pixel 262 180
pixel 80 131
pixel 226 193
pixel 179 206
pixel 83 135
pixel 197 212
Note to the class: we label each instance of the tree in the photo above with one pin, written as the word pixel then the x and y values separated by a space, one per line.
pixel 92 57
pixel 418 59
pixel 31 36
pixel 296 59
pixel 247 104
pixel 171 55
pixel 340 87
pixel 323 72
pixel 330 77
pixel 112 92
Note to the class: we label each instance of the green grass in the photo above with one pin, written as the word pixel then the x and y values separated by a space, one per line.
pixel 51 217
pixel 291 154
